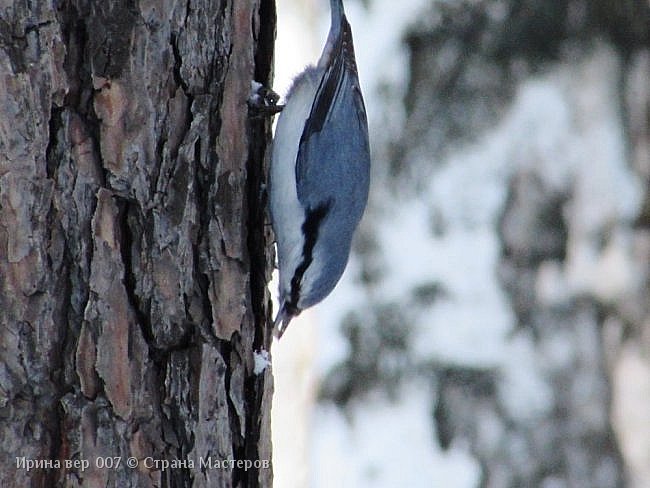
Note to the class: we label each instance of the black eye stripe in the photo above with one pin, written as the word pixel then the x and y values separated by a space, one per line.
pixel 313 218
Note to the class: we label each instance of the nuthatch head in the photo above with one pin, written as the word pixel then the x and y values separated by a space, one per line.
pixel 320 173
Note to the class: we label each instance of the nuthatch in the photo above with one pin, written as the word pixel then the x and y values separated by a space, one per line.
pixel 320 173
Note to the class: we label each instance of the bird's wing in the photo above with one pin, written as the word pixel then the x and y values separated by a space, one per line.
pixel 332 166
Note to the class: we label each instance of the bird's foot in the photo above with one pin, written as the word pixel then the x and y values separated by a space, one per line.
pixel 262 101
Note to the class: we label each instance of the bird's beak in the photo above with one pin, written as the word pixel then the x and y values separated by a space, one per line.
pixel 281 321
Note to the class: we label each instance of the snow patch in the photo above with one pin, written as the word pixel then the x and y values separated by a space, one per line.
pixel 262 360
pixel 386 444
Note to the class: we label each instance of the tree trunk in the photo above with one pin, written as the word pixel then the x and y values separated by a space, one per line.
pixel 557 430
pixel 133 248
pixel 523 176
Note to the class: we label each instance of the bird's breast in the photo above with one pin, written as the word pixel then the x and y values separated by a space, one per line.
pixel 287 214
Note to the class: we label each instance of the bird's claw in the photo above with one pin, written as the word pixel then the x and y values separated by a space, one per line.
pixel 263 101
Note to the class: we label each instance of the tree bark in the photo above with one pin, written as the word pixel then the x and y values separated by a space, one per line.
pixel 134 254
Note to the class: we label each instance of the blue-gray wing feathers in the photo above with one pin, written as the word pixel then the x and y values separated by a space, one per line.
pixel 333 162
pixel 332 170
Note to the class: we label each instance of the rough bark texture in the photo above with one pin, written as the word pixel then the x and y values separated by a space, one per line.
pixel 133 250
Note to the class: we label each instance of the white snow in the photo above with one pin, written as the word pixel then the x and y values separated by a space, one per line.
pixel 262 360
pixel 525 396
pixel 386 444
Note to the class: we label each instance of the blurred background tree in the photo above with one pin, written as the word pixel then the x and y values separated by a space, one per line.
pixel 499 298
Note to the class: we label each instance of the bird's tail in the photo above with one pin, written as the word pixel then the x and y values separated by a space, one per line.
pixel 337 11
pixel 338 16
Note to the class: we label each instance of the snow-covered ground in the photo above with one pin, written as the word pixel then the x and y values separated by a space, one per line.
pixel 563 125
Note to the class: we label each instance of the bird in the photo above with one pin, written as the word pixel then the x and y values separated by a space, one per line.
pixel 319 174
